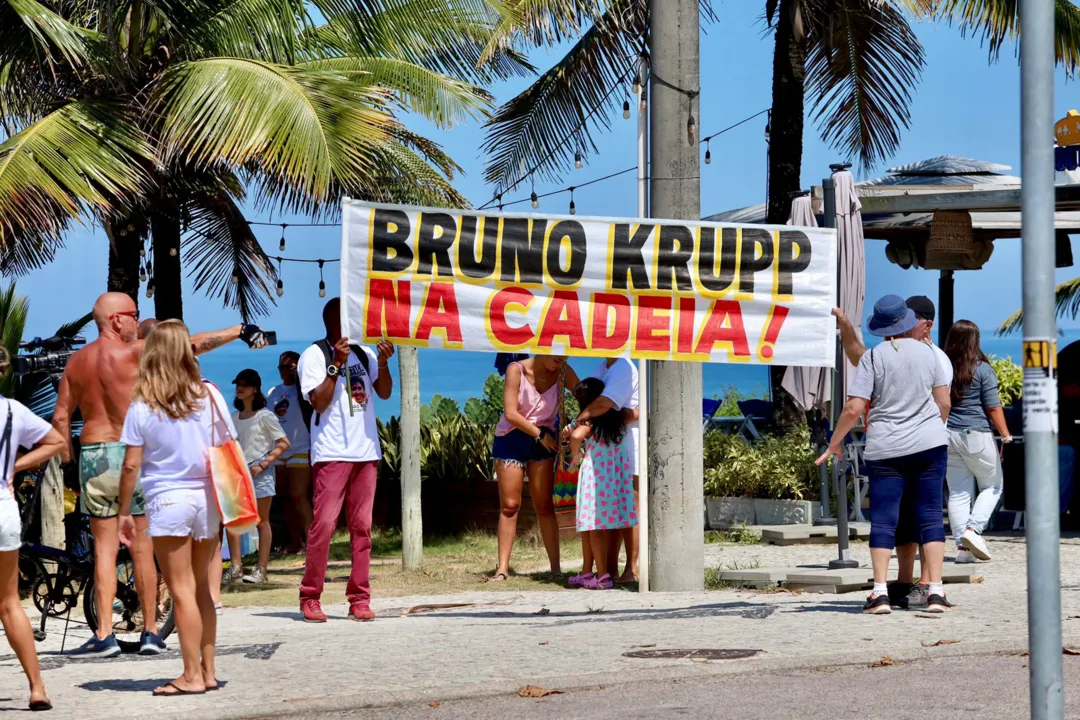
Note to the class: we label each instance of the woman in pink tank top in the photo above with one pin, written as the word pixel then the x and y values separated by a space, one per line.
pixel 526 440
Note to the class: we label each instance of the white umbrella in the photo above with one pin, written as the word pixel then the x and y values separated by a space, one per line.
pixel 850 242
pixel 808 385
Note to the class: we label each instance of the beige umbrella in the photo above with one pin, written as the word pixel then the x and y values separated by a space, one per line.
pixel 808 385
pixel 851 245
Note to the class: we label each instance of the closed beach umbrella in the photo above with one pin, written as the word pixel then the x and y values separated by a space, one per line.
pixel 850 241
pixel 808 385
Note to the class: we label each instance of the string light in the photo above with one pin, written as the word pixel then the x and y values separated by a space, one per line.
pixel 142 274
pixel 533 197
pixel 281 245
pixel 173 252
pixel 322 283
pixel 573 207
pixel 150 289
pixel 280 282
pixel 142 252
pixel 637 84
pixel 577 159
pixel 626 109
pixel 235 278
pixel 149 267
pixel 708 153
pixel 691 128
pixel 768 127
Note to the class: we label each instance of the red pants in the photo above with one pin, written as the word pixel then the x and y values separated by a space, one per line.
pixel 337 482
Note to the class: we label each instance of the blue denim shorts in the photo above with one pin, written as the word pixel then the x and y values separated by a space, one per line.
pixel 519 448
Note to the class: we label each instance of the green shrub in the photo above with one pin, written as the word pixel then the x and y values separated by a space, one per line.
pixel 440 408
pixel 1010 379
pixel 779 467
pixel 487 409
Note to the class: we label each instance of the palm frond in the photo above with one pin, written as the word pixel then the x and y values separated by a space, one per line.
pixel 541 23
pixel 298 129
pixel 73 328
pixel 863 62
pixel 1066 300
pixel 54 39
pixel 85 156
pixel 14 309
pixel 536 129
pixel 444 100
pixel 220 246
pixel 996 21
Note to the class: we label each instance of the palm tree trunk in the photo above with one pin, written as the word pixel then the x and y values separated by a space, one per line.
pixel 785 158
pixel 126 238
pixel 168 292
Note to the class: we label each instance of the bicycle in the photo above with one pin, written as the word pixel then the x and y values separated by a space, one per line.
pixel 55 592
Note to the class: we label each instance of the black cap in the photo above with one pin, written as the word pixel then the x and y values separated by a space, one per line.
pixel 248 377
pixel 922 306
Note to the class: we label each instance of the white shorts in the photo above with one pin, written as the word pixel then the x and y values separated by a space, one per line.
pixel 180 513
pixel 265 483
pixel 630 445
pixel 10 525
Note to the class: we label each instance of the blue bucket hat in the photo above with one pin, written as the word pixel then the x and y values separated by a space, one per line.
pixel 891 317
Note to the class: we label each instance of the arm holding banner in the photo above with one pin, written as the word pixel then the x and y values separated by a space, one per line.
pixel 384 383
pixel 848 338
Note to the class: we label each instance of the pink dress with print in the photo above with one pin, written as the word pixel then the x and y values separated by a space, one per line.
pixel 605 499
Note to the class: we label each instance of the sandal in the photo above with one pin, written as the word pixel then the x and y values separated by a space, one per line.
pixel 177 690
pixel 558 577
pixel 599 582
pixel 580 579
pixel 40 706
pixel 499 577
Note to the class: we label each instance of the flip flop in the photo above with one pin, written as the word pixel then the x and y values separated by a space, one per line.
pixel 179 691
pixel 498 577
pixel 40 706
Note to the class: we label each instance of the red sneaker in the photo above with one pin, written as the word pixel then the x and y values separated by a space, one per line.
pixel 361 613
pixel 312 610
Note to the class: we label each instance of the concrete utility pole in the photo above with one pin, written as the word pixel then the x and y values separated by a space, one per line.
pixel 1040 341
pixel 412 525
pixel 676 502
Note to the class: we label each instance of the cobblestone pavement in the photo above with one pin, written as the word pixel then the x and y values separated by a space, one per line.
pixel 274 664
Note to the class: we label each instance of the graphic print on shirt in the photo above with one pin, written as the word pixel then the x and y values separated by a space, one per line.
pixel 282 407
pixel 357 387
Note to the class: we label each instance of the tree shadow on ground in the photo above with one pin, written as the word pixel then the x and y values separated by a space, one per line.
pixel 746 611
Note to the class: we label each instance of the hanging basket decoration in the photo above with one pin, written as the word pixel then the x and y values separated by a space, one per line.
pixel 952 244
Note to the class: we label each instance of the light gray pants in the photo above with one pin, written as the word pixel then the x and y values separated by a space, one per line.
pixel 975 479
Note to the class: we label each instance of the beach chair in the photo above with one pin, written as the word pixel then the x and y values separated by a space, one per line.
pixel 708 409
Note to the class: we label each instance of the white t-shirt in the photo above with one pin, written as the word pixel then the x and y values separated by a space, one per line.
pixel 620 385
pixel 339 436
pixel 27 430
pixel 284 402
pixel 175 451
pixel 258 434
pixel 946 364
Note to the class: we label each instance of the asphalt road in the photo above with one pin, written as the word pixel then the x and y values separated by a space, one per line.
pixel 959 687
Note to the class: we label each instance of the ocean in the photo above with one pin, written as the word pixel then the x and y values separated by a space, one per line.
pixel 460 375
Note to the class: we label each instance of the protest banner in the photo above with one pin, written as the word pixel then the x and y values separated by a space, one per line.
pixel 593 287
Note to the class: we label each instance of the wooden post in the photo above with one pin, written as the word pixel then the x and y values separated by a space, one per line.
pixel 412 529
pixel 52 505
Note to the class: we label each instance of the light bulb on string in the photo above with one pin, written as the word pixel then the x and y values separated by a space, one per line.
pixel 535 199
pixel 150 290
pixel 281 245
pixel 142 274
pixel 499 198
pixel 644 104
pixel 637 85
pixel 280 282
pixel 691 129
pixel 235 279
pixel 142 252
pixel 577 159
pixel 149 267
pixel 626 109
pixel 173 252
pixel 708 153
pixel 322 283
pixel 768 127
pixel 573 206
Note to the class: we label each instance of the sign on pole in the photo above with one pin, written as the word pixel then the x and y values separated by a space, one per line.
pixel 593 287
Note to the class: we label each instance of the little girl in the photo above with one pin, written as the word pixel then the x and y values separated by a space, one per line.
pixel 605 499
pixel 261 436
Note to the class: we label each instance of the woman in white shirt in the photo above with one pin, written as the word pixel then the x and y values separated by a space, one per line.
pixel 168 432
pixel 20 428
pixel 263 440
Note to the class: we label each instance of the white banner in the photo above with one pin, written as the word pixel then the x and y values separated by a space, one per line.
pixel 593 287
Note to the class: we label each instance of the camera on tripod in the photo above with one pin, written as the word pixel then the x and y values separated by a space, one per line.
pixel 50 356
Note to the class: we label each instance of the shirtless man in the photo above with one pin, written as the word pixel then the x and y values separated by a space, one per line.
pixel 99 380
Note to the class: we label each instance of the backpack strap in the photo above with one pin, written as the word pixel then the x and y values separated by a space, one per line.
pixel 306 408
pixel 5 442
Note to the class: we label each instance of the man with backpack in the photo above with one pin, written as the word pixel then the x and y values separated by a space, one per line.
pixel 337 380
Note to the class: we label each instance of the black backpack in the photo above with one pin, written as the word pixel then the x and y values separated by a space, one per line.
pixel 307 410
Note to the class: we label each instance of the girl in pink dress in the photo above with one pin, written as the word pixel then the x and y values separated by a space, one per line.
pixel 605 499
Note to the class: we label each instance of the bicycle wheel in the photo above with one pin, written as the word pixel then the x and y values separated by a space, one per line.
pixel 127 616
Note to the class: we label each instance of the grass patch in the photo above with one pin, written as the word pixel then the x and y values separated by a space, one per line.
pixel 741 534
pixel 451 564
pixel 713 580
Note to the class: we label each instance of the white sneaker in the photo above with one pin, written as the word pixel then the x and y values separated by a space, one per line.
pixel 974 542
pixel 964 556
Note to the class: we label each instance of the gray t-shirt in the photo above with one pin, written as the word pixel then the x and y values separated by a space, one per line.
pixel 979 396
pixel 898 378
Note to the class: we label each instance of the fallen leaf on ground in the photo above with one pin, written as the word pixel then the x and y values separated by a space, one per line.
pixel 434 704
pixel 885 661
pixel 542 611
pixel 699 659
pixel 1023 654
pixel 978 579
pixel 531 691
pixel 868 639
pixel 543 644
pixel 1069 651
pixel 927 616
pixel 643 646
pixel 939 642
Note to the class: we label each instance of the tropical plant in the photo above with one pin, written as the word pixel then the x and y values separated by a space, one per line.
pixel 776 467
pixel 153 118
pixel 440 408
pixel 1010 378
pixel 1066 300
pixel 486 410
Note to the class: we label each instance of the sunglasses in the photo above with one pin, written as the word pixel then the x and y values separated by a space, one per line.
pixel 133 314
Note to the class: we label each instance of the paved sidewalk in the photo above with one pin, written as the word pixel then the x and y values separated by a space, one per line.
pixel 274 664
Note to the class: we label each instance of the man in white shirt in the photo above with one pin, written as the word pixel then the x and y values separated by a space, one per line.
pixel 293 468
pixel 620 378
pixel 345 453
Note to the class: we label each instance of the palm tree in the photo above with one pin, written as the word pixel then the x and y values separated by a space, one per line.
pixel 154 118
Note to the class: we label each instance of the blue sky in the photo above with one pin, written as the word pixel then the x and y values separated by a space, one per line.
pixel 963 106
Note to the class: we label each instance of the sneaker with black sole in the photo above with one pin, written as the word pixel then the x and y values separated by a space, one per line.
pixel 937 604
pixel 877 605
pixel 916 599
pixel 898 593
pixel 151 644
pixel 96 647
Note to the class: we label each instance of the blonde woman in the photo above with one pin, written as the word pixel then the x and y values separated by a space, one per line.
pixel 168 431
pixel 20 428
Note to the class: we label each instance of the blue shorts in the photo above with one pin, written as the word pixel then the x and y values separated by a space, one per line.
pixel 519 448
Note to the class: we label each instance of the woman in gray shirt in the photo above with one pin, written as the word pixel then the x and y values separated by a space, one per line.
pixel 974 461
pixel 907 392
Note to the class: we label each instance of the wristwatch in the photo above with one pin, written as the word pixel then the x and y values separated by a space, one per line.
pixel 332 370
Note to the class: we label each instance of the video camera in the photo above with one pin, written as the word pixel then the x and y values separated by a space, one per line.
pixel 50 356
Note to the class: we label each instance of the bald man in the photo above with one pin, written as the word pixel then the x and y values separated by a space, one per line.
pixel 146 326
pixel 99 380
